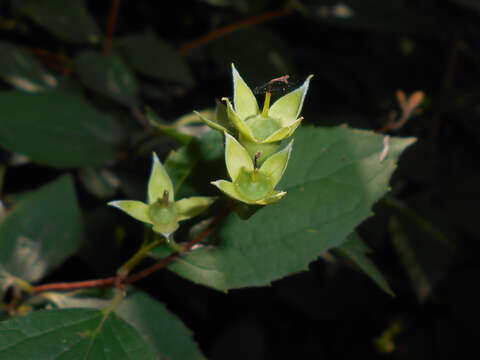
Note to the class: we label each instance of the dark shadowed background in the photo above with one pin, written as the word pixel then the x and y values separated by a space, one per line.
pixel 424 234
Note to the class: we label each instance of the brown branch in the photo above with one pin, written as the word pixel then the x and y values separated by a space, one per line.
pixel 67 69
pixel 112 21
pixel 114 281
pixel 49 55
pixel 188 247
pixel 228 29
pixel 87 284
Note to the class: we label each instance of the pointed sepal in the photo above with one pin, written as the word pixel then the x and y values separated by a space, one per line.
pixel 288 107
pixel 284 132
pixel 159 182
pixel 193 206
pixel 244 100
pixel 166 229
pixel 228 188
pixel 275 165
pixel 236 157
pixel 273 198
pixel 238 122
pixel 136 209
pixel 210 123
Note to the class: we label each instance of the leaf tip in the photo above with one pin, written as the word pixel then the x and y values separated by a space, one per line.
pixel 114 203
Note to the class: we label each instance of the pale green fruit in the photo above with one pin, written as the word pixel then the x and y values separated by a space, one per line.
pixel 250 185
pixel 162 211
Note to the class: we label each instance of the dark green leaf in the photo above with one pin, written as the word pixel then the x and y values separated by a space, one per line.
pixel 21 70
pixel 195 162
pixel 424 249
pixel 160 327
pixel 167 129
pixel 154 57
pixel 355 250
pixel 469 4
pixel 334 177
pixel 107 75
pixel 57 130
pixel 69 20
pixel 241 5
pixel 42 231
pixel 72 334
pixel 396 15
pixel 264 58
pixel 99 182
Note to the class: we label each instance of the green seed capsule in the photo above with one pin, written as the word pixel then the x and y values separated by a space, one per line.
pixel 253 185
pixel 160 213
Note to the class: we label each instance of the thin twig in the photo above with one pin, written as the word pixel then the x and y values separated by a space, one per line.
pixel 47 54
pixel 114 281
pixel 164 262
pixel 228 29
pixel 112 21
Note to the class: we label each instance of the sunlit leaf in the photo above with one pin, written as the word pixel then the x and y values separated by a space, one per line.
pixel 333 178
pixel 159 326
pixel 42 231
pixel 86 334
pixel 20 69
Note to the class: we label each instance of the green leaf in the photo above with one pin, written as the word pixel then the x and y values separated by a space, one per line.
pixel 355 250
pixel 244 6
pixel 57 130
pixel 180 164
pixel 469 4
pixel 194 165
pixel 151 56
pixel 99 182
pixel 333 178
pixel 20 69
pixel 85 334
pixel 160 327
pixel 265 58
pixel 69 20
pixel 396 15
pixel 168 129
pixel 42 231
pixel 424 249
pixel 107 75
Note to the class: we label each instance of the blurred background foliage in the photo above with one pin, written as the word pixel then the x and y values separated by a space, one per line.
pixel 92 67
